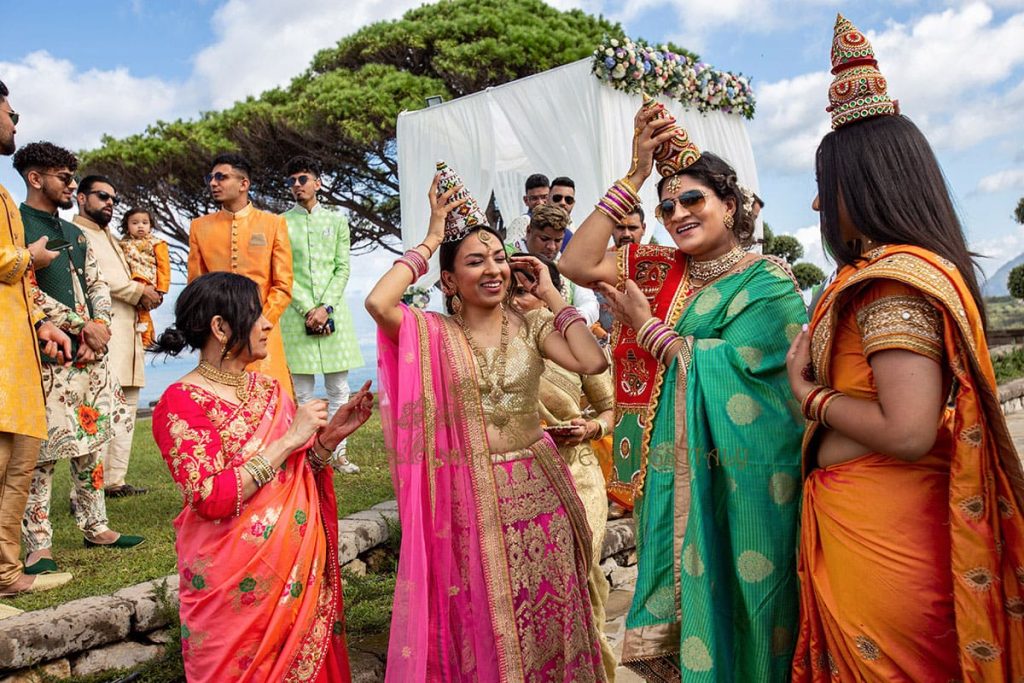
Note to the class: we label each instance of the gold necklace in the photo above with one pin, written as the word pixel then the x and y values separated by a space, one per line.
pixel 716 267
pixel 492 377
pixel 238 380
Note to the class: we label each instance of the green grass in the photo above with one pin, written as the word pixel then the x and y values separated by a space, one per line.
pixel 1009 365
pixel 1004 313
pixel 100 571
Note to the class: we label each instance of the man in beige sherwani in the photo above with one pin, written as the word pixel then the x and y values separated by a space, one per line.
pixel 126 355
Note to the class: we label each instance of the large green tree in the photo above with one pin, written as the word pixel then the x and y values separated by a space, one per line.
pixel 788 247
pixel 342 111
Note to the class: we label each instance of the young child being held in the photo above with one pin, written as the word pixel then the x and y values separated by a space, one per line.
pixel 149 260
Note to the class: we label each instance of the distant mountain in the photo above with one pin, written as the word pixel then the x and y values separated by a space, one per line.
pixel 996 285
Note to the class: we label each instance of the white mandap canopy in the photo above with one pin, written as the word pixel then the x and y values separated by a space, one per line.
pixel 560 122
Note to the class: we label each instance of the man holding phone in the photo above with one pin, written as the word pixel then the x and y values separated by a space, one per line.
pixel 319 338
pixel 22 410
pixel 85 407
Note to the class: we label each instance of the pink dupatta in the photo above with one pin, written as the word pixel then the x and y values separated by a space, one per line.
pixel 440 626
pixel 260 592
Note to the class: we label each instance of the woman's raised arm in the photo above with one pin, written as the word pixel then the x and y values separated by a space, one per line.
pixel 586 259
pixel 383 301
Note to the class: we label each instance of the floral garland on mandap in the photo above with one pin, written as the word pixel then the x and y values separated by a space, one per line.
pixel 635 67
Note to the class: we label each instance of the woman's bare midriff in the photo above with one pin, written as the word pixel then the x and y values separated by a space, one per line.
pixel 835 448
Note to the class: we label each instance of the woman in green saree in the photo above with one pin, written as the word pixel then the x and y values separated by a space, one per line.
pixel 707 432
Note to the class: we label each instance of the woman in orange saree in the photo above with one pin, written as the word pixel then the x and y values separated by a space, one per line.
pixel 259 588
pixel 912 540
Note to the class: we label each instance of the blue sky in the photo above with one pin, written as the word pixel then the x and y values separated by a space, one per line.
pixel 78 71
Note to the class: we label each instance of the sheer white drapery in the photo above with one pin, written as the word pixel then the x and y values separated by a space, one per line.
pixel 560 122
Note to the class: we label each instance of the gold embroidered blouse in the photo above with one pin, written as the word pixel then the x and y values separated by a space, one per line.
pixel 885 315
pixel 517 398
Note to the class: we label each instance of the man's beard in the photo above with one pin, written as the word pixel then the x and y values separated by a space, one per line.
pixel 66 204
pixel 624 241
pixel 7 147
pixel 98 216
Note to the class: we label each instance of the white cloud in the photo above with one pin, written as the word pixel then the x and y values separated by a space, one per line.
pixel 998 250
pixel 810 238
pixel 791 121
pixel 265 43
pixel 74 108
pixel 1010 179
pixel 948 70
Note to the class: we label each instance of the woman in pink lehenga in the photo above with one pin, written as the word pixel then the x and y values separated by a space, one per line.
pixel 495 553
pixel 257 538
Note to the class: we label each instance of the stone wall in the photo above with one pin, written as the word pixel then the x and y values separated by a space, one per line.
pixel 128 628
pixel 1011 396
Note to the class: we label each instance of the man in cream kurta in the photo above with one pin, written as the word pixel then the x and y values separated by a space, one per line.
pixel 244 240
pixel 126 355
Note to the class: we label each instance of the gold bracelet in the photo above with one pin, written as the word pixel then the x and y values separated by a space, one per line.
pixel 631 187
pixel 827 401
pixel 260 469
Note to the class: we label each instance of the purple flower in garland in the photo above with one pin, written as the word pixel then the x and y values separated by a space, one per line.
pixel 635 67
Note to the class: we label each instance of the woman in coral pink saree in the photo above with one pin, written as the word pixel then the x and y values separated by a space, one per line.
pixel 257 538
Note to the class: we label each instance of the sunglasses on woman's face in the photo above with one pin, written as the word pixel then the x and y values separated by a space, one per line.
pixel 691 200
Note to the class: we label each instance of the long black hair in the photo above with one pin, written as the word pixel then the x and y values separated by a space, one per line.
pixel 716 173
pixel 894 193
pixel 235 298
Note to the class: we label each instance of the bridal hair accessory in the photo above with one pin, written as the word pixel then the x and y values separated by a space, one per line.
pixel 859 90
pixel 466 218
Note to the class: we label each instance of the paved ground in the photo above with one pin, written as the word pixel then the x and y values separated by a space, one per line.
pixel 618 605
pixel 1015 421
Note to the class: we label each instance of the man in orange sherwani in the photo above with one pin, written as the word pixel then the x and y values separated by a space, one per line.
pixel 242 239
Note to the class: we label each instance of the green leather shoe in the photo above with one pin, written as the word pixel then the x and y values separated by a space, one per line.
pixel 123 541
pixel 44 565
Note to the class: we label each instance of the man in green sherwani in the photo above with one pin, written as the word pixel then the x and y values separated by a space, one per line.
pixel 317 325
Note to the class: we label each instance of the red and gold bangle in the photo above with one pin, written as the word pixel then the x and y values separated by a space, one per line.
pixel 824 403
pixel 808 403
pixel 817 401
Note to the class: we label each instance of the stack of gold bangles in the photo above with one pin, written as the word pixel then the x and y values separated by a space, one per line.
pixel 261 470
pixel 656 338
pixel 816 403
pixel 619 201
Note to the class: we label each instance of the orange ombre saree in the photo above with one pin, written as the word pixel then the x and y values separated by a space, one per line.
pixel 911 571
pixel 259 583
